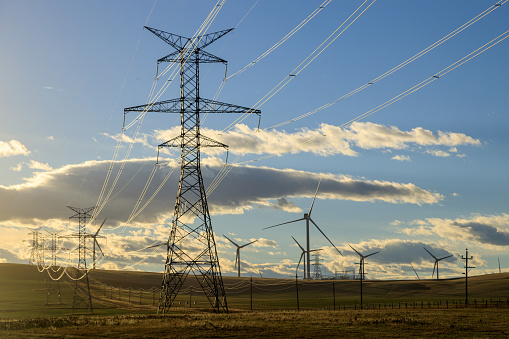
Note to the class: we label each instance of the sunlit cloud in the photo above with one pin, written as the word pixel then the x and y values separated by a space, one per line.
pixel 246 187
pixel 12 148
pixel 483 230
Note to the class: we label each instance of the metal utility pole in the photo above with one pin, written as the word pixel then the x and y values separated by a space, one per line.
pixel 466 258
pixel 362 273
pixel 191 245
pixel 318 270
pixel 82 297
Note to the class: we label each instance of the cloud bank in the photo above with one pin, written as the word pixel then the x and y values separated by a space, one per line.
pixel 46 194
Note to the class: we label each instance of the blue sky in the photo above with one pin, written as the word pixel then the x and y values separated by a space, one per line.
pixel 428 170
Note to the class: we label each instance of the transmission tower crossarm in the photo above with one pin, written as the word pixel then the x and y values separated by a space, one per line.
pixel 206 106
pixel 207 39
pixel 198 56
pixel 176 41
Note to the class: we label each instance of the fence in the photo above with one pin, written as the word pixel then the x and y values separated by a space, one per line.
pixel 285 294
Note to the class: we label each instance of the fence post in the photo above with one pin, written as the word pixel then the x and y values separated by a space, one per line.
pixel 251 293
pixel 297 290
pixel 334 295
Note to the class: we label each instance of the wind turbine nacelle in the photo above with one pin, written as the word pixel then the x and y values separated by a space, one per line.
pixel 306 215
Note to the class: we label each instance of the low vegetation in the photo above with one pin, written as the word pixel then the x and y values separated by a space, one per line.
pixel 125 307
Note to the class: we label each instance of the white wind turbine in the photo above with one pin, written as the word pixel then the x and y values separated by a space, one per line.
pixel 301 255
pixel 436 262
pixel 307 217
pixel 237 257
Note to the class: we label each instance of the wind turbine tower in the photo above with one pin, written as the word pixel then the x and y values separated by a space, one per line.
pixel 307 218
pixel 436 262
pixel 303 253
pixel 191 244
pixel 237 257
pixel 362 273
pixel 95 242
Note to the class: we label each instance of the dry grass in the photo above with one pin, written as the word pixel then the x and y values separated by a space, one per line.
pixel 368 323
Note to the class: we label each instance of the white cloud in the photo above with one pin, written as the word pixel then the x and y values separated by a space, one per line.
pixel 50 138
pixel 48 87
pixel 483 230
pixel 39 166
pixel 326 140
pixel 401 157
pixel 438 153
pixel 12 148
pixel 18 167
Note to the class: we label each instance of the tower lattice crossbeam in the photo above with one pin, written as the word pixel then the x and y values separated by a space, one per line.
pixel 191 244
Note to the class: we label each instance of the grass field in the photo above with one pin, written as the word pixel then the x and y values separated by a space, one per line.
pixel 125 306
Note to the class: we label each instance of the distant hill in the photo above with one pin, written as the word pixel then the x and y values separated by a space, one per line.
pixel 25 291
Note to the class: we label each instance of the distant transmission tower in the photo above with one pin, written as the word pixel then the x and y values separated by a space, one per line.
pixel 53 286
pixel 34 252
pixel 191 245
pixel 82 297
pixel 318 270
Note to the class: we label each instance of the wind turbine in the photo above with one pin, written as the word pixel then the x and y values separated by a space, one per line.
pixel 436 262
pixel 307 218
pixel 95 236
pixel 301 255
pixel 361 267
pixel 415 271
pixel 237 257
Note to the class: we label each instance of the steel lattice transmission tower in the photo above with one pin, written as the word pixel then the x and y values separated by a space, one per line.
pixel 82 297
pixel 191 246
pixel 318 269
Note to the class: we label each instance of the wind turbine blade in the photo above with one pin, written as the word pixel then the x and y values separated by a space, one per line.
pixel 415 271
pixel 434 270
pixel 311 208
pixel 249 243
pixel 100 227
pixel 303 250
pixel 430 253
pixel 284 223
pixel 156 245
pixel 355 250
pixel 98 246
pixel 371 254
pixel 231 240
pixel 320 249
pixel 445 257
pixel 236 260
pixel 300 259
pixel 326 236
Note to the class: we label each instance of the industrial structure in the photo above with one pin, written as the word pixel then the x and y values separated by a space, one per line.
pixel 237 256
pixel 191 245
pixel 307 218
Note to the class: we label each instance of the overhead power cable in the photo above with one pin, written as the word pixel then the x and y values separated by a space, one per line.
pixel 398 67
pixel 411 90
pixel 102 202
pixel 309 59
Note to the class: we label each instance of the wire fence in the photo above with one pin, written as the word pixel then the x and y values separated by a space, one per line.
pixel 283 295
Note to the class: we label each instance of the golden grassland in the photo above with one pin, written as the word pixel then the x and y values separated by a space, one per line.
pixel 125 307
